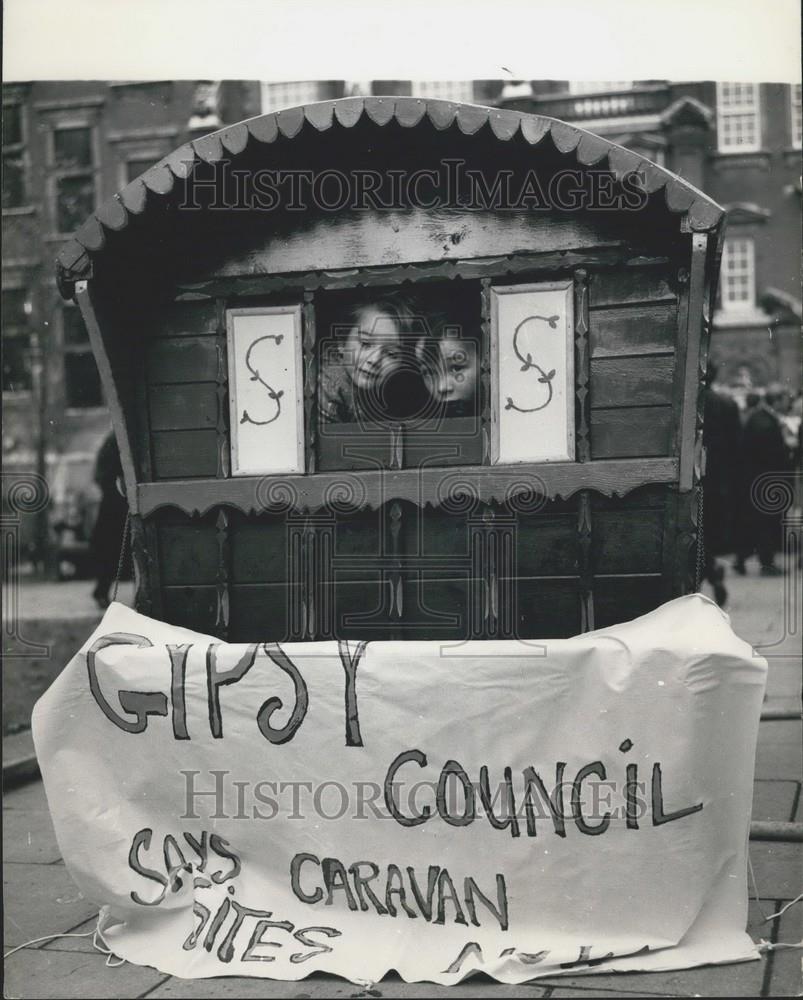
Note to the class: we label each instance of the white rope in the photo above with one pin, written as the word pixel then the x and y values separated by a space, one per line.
pixel 47 937
pixel 780 913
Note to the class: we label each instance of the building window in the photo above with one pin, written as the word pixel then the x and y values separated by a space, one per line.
pixel 602 99
pixel 598 86
pixel 15 193
pixel 738 119
pixel 794 103
pixel 81 378
pixel 738 279
pixel 137 165
pixel 16 340
pixel 73 171
pixel 461 91
pixel 205 106
pixel 276 96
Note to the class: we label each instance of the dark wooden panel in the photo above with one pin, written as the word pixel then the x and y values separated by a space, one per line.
pixel 184 454
pixel 186 359
pixel 360 534
pixel 188 553
pixel 547 609
pixel 628 541
pixel 631 285
pixel 630 433
pixel 418 486
pixel 187 319
pixel 360 609
pixel 260 551
pixel 352 446
pixel 357 239
pixel 632 381
pixel 621 600
pixel 262 613
pixel 436 608
pixel 547 546
pixel 182 407
pixel 652 497
pixel 434 533
pixel 190 607
pixel 445 442
pixel 641 329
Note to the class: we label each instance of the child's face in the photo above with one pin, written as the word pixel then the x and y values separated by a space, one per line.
pixel 455 378
pixel 373 347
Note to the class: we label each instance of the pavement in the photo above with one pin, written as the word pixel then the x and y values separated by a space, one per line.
pixel 41 899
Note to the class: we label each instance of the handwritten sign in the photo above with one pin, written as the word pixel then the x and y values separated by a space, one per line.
pixel 514 808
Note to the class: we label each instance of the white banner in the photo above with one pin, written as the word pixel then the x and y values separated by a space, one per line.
pixel 523 809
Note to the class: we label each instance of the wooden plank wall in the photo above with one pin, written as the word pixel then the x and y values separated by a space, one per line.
pixel 182 369
pixel 418 574
pixel 450 588
pixel 633 329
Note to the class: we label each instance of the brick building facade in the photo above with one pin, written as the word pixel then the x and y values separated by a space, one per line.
pixel 740 144
pixel 68 146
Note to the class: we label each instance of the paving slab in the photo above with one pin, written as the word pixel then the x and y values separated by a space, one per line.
pixel 27 827
pixel 318 985
pixel 783 680
pixel 774 800
pixel 28 796
pixel 778 869
pixel 19 759
pixel 589 992
pixel 39 900
pixel 77 938
pixel 52 974
pixel 786 979
pixel 738 979
pixel 780 761
pixel 773 731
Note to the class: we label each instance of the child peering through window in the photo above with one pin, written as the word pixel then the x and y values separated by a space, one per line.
pixel 373 374
pixel 449 366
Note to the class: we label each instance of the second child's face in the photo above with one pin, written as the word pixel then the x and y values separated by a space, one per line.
pixel 455 379
pixel 373 347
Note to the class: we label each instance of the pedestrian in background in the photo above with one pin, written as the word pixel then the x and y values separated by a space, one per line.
pixel 763 451
pixel 107 535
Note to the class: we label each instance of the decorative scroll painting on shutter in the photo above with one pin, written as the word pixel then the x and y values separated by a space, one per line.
pixel 265 386
pixel 532 372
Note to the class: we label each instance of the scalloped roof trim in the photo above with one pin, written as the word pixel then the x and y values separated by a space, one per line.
pixel 701 213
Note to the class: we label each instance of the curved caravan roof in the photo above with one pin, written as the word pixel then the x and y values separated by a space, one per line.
pixel 162 182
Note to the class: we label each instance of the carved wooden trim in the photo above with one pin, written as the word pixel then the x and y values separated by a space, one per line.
pixel 318 556
pixel 697 211
pixel 143 557
pixel 671 586
pixel 507 265
pixel 297 598
pixel 693 360
pixel 310 383
pixel 679 384
pixel 85 300
pixel 686 541
pixel 493 581
pixel 222 594
pixel 396 576
pixel 425 486
pixel 581 366
pixel 485 410
pixel 585 562
pixel 222 395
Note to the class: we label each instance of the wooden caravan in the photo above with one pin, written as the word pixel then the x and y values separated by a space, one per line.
pixel 396 368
